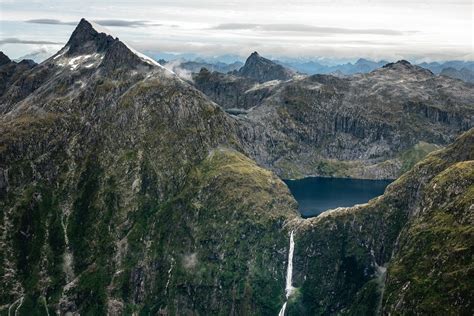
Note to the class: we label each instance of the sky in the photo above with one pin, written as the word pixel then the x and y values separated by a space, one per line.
pixel 417 30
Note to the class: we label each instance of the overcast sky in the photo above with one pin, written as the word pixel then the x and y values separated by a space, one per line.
pixel 376 29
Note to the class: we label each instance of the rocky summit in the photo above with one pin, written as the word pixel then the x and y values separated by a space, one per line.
pixel 262 69
pixel 126 190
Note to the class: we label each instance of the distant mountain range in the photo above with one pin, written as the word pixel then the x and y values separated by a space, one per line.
pixel 463 74
pixel 193 63
pixel 314 67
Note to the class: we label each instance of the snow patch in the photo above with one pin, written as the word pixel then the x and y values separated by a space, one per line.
pixel 149 60
pixel 266 84
pixel 73 63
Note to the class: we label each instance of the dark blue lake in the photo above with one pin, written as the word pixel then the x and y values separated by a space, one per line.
pixel 316 195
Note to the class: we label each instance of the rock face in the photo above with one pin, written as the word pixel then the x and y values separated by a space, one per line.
pixel 123 189
pixel 231 91
pixel 406 252
pixel 262 69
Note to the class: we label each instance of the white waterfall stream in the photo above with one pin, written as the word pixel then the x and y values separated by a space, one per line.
pixel 289 275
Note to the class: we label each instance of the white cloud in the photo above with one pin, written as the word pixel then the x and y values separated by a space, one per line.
pixel 441 29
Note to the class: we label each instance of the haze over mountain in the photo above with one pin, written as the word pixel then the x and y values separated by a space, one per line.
pixel 125 189
pixel 463 74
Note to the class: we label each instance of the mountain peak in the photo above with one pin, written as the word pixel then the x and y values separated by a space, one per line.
pixel 263 69
pixel 89 37
pixel 254 55
pixel 4 59
pixel 362 61
pixel 404 66
pixel 93 41
pixel 401 63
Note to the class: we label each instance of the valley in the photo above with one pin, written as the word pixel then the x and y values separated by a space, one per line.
pixel 127 189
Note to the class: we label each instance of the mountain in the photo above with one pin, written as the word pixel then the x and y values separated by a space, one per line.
pixel 312 67
pixel 373 125
pixel 463 74
pixel 124 189
pixel 238 91
pixel 10 70
pixel 437 67
pixel 232 91
pixel 262 69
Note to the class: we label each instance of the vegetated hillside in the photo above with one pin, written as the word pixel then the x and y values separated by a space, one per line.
pixel 406 252
pixel 123 190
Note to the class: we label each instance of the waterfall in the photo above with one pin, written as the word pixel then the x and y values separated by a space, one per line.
pixel 289 275
pixel 282 310
pixel 289 270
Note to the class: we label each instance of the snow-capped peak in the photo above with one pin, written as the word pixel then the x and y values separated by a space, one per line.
pixel 101 29
pixel 91 42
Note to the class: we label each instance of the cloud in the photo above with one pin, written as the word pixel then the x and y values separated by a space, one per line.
pixel 175 66
pixel 50 21
pixel 14 40
pixel 303 28
pixel 126 23
pixel 118 23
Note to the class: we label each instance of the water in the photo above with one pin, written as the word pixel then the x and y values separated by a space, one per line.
pixel 289 270
pixel 289 275
pixel 316 195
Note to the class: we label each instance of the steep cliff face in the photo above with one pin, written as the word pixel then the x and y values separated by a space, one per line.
pixel 123 190
pixel 408 251
pixel 230 91
pixel 365 126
